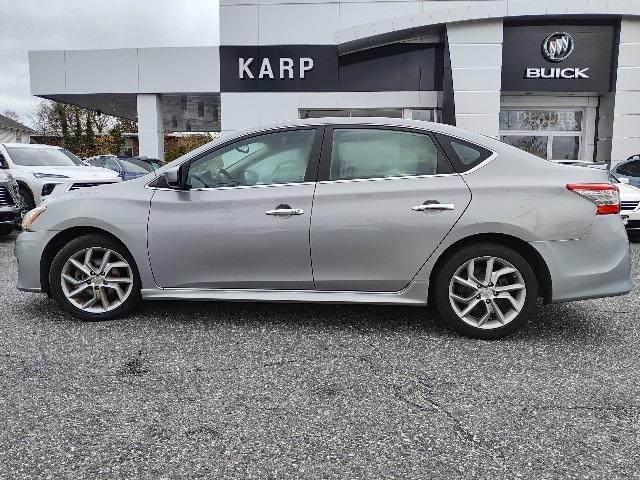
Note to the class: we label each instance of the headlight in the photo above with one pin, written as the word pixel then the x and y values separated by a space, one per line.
pixel 49 175
pixel 30 217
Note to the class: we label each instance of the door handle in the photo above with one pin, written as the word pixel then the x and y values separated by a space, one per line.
pixel 433 206
pixel 285 212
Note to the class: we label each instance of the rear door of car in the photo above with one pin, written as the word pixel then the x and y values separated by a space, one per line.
pixel 386 197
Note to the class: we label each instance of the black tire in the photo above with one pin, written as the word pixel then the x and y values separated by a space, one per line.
pixel 77 245
pixel 5 230
pixel 28 203
pixel 458 259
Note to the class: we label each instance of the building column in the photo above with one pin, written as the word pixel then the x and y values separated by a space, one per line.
pixel 625 135
pixel 475 51
pixel 150 125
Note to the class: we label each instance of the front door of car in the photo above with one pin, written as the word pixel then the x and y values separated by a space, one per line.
pixel 385 199
pixel 244 223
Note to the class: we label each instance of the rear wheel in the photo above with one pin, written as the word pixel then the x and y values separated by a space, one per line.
pixel 95 278
pixel 486 291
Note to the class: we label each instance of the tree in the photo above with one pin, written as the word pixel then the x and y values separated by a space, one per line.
pixel 12 114
pixel 89 137
pixel 117 139
pixel 181 145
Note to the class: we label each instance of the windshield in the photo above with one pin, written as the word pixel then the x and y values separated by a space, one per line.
pixel 39 157
pixel 73 158
pixel 132 167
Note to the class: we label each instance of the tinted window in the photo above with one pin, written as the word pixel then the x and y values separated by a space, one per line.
pixel 111 164
pixel 97 162
pixel 629 169
pixel 271 158
pixel 463 155
pixel 132 167
pixel 39 157
pixel 374 153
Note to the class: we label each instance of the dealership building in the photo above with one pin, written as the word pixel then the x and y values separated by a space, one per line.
pixel 560 79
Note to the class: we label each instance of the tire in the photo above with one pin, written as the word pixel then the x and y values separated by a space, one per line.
pixel 98 284
pixel 28 203
pixel 453 297
pixel 5 230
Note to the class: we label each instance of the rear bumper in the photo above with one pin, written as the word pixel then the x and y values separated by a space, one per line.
pixel 598 265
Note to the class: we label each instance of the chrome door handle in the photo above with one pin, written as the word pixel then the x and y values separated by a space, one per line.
pixel 285 212
pixel 433 206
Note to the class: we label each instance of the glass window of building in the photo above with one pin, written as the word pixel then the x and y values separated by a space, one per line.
pixel 550 134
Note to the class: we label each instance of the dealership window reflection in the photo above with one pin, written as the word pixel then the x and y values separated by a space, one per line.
pixel 551 134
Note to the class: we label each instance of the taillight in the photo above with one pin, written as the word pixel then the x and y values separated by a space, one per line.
pixel 604 196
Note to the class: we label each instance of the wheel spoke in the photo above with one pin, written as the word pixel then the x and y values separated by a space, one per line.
pixel 87 258
pixel 489 271
pixel 503 271
pixel 73 281
pixel 105 260
pixel 469 307
pixel 119 279
pixel 110 266
pixel 458 298
pixel 103 298
pixel 485 318
pixel 91 302
pixel 466 283
pixel 498 312
pixel 509 288
pixel 118 290
pixel 507 296
pixel 78 290
pixel 84 269
pixel 471 267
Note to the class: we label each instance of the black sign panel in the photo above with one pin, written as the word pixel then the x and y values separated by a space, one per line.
pixel 318 68
pixel 558 58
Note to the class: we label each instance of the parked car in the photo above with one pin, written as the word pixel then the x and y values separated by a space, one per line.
pixel 148 163
pixel 9 204
pixel 126 169
pixel 41 170
pixel 629 169
pixel 629 205
pixel 340 210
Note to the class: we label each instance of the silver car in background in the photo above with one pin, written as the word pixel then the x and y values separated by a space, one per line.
pixel 338 210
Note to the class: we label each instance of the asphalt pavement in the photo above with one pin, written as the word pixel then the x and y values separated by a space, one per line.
pixel 254 390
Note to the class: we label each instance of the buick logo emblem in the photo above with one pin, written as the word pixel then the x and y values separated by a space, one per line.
pixel 557 47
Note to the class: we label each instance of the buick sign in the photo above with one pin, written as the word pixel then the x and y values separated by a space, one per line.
pixel 557 47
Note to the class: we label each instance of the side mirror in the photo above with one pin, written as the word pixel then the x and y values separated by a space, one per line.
pixel 174 178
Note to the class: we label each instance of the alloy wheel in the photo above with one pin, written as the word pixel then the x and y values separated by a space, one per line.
pixel 487 292
pixel 96 280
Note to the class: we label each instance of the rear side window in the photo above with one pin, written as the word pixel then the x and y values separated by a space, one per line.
pixel 463 155
pixel 361 153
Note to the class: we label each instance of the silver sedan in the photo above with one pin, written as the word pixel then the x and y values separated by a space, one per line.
pixel 338 210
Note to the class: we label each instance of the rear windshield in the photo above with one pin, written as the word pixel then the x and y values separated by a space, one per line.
pixel 39 157
pixel 132 167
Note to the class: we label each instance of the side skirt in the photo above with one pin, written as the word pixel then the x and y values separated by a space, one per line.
pixel 414 294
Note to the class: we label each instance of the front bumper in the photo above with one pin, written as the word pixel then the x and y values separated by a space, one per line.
pixel 10 215
pixel 598 265
pixel 28 250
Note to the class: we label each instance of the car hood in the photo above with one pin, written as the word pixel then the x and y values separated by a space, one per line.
pixel 628 192
pixel 76 173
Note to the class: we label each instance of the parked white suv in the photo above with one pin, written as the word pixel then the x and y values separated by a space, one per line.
pixel 41 170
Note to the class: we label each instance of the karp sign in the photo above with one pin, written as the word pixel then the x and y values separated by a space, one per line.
pixel 284 67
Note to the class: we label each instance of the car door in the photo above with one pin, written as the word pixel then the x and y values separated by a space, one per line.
pixel 385 199
pixel 245 221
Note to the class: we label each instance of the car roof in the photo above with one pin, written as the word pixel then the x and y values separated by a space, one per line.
pixel 30 145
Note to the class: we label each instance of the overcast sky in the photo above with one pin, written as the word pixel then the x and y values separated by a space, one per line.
pixel 78 24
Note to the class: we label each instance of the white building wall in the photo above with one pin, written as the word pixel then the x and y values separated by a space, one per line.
pixel 476 68
pixel 625 134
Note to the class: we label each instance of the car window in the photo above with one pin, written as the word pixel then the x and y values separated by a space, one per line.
pixel 272 158
pixel 463 155
pixel 630 169
pixel 39 157
pixel 97 162
pixel 132 167
pixel 376 153
pixel 111 164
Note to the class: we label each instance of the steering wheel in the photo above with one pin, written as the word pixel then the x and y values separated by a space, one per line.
pixel 199 178
pixel 228 175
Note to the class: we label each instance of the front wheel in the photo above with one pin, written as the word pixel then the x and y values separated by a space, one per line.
pixel 95 278
pixel 486 291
